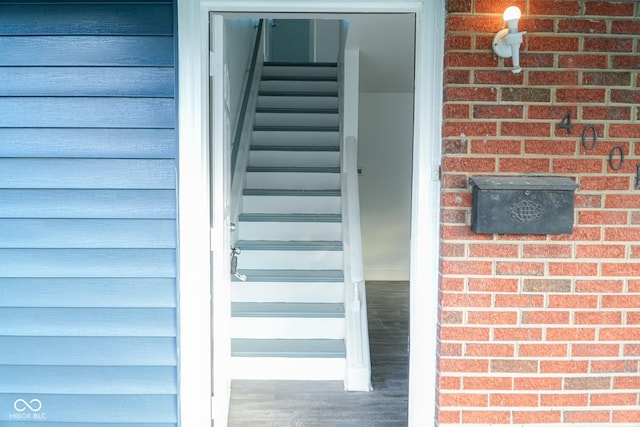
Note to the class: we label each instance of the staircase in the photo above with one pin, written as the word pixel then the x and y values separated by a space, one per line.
pixel 288 319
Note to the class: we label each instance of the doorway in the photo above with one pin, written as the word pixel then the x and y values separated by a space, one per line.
pixel 424 201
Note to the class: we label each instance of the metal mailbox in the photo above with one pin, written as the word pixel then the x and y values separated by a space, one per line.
pixel 522 205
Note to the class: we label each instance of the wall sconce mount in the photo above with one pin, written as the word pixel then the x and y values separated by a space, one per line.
pixel 506 43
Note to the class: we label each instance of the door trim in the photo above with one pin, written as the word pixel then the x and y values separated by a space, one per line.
pixel 196 340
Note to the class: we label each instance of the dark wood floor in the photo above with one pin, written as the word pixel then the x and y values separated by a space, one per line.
pixel 316 404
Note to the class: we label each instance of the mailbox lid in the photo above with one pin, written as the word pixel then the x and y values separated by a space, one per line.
pixel 549 183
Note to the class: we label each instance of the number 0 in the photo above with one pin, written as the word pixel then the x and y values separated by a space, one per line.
pixel 594 140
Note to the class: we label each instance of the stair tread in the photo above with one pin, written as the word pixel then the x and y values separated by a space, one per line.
pixel 305 348
pixel 286 78
pixel 288 217
pixel 299 110
pixel 282 192
pixel 298 93
pixel 322 148
pixel 287 309
pixel 299 64
pixel 289 245
pixel 267 128
pixel 303 169
pixel 316 276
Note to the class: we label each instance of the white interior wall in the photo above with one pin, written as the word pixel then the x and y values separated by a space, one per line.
pixel 327 37
pixel 385 147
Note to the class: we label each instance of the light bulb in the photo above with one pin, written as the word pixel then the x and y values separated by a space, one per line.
pixel 512 12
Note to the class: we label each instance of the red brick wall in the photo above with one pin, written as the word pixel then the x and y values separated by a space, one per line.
pixel 542 328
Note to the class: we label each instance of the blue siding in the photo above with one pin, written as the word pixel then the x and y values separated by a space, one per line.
pixel 88 235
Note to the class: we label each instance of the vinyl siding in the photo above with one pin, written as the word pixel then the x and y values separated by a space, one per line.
pixel 88 236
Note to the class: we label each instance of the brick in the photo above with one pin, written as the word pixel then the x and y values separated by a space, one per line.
pixel 598 317
pixel 614 366
pixel 450 350
pixel 602 217
pixel 620 301
pixel 493 250
pixel 571 334
pixel 597 26
pixel 620 334
pixel 599 286
pixel 631 350
pixel 634 286
pixel 454 181
pixel 455 199
pixel 554 8
pixel 469 165
pixel 523 301
pixel 547 251
pixel 573 269
pixel 606 113
pixel 487 383
pixel 607 78
pixel 492 285
pixel 608 8
pixel 513 366
pixel 546 285
pixel 593 44
pixel 580 234
pixel 633 318
pixel 550 147
pixel 552 43
pixel 624 130
pixel 506 268
pixel 465 300
pixel 587 383
pixel 452 284
pixel 626 416
pixel 564 367
pixel 600 251
pixel 493 77
pixel 524 165
pixel 526 417
pixel 458 232
pixel 490 350
pixel 469 59
pixel 536 60
pixel 635 251
pixel 486 146
pixel 553 78
pixel 595 350
pixel 473 23
pixel 564 399
pixel 449 417
pixel 525 95
pixel 469 129
pixel 458 6
pixel 626 383
pixel 454 76
pixel 602 147
pixel 492 417
pixel 537 383
pixel 467 267
pixel 621 269
pixel 455 146
pixel 623 201
pixel 625 27
pixel 630 62
pixel 545 317
pixel 520 237
pixel 542 350
pixel 492 317
pixel 456 333
pixel 635 218
pixel 525 129
pixel 484 42
pixel 580 95
pixel 625 96
pixel 497 111
pixel 573 301
pixel 551 112
pixel 617 399
pixel 517 334
pixel 586 416
pixel 583 61
pixel 463 399
pixel 450 317
pixel 496 6
pixel 577 166
pixel 449 383
pixel 450 250
pixel 514 399
pixel 458 42
pixel 482 94
pixel 463 365
pixel 586 201
pixel 456 111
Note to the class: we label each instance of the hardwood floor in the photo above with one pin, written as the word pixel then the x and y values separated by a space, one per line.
pixel 325 403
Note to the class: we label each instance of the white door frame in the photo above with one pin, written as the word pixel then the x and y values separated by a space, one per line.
pixel 199 238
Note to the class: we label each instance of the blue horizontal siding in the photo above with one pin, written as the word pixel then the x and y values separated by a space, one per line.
pixel 52 203
pixel 87 173
pixel 116 51
pixel 87 233
pixel 87 81
pixel 88 142
pixel 88 292
pixel 87 351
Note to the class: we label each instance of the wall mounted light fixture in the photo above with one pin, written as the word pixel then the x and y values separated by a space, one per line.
pixel 506 42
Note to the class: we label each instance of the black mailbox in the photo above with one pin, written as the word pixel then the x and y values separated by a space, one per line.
pixel 522 205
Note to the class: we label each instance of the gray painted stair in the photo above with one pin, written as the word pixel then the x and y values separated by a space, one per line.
pixel 288 316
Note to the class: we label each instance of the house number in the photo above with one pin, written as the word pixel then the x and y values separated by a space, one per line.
pixel 616 155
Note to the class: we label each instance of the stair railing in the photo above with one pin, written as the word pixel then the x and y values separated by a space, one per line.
pixel 358 375
pixel 243 132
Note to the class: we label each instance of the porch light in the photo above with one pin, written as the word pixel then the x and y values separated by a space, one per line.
pixel 507 41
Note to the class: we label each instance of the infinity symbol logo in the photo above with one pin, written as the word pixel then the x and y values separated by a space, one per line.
pixel 21 405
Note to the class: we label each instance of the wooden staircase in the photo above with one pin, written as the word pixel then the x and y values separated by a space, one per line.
pixel 288 319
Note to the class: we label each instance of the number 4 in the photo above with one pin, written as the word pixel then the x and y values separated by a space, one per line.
pixel 566 123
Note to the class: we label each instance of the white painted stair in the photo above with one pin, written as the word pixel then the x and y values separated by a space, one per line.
pixel 288 316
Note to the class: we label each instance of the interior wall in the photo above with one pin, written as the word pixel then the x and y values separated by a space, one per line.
pixel 385 157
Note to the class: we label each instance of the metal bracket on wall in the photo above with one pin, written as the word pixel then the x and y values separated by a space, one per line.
pixel 638 177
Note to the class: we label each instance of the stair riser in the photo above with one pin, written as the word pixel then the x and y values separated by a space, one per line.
pixel 289 231
pixel 296 119
pixel 266 101
pixel 294 158
pixel 294 180
pixel 287 328
pixel 332 292
pixel 290 260
pixel 296 138
pixel 283 368
pixel 291 204
pixel 285 70
pixel 298 86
